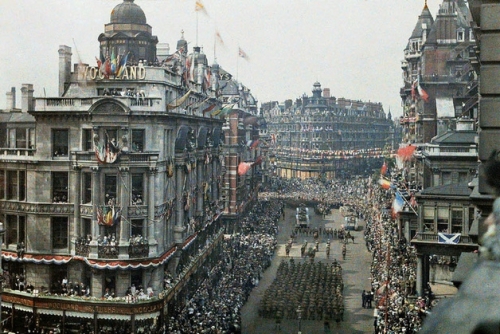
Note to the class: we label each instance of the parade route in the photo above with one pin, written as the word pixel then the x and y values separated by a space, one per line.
pixel 356 276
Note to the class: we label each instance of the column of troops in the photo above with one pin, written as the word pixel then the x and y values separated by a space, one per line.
pixel 317 287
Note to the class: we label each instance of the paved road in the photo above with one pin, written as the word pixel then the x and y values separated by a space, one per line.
pixel 356 274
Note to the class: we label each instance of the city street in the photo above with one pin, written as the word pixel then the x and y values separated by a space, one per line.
pixel 356 274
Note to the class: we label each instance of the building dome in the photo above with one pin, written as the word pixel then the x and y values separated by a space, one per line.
pixel 128 12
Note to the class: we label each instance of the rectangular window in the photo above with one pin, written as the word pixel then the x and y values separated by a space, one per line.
pixel 59 187
pixel 87 140
pixel 11 184
pixel 21 138
pixel 22 185
pixel 446 178
pixel 87 188
pixel 457 221
pixel 59 232
pixel 136 231
pixel 428 219
pixel 60 143
pixel 58 273
pixel 137 140
pixel 86 224
pixel 31 139
pixel 11 232
pixel 2 184
pixel 16 229
pixel 12 138
pixel 110 189
pixel 443 215
pixel 137 189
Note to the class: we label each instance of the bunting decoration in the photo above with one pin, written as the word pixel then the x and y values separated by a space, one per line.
pixel 179 101
pixel 209 108
pixel 107 152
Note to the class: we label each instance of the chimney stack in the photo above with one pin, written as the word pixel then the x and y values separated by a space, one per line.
pixel 64 68
pixel 11 99
pixel 27 101
pixel 326 92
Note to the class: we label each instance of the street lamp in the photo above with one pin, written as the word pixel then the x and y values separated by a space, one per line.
pixel 299 316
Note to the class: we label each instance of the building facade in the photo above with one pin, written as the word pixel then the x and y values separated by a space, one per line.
pixel 116 194
pixel 322 136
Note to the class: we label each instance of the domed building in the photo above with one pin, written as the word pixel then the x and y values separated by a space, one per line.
pixel 115 194
pixel 128 33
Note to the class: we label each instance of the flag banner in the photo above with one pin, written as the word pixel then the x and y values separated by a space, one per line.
pixel 200 7
pixel 447 238
pixel 179 101
pixel 423 94
pixel 384 183
pixel 398 203
pixel 242 54
pixel 218 38
pixel 209 108
pixel 108 215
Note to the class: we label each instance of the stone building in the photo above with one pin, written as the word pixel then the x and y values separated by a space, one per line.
pixel 321 135
pixel 121 183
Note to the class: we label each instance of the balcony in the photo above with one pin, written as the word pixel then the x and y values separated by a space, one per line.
pixel 82 247
pixel 433 238
pixel 137 158
pixel 107 251
pixel 55 104
pixel 17 154
pixel 462 151
pixel 138 250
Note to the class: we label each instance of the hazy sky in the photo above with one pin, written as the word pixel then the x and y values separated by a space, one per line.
pixel 353 47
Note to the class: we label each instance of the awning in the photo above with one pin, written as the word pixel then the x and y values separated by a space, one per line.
pixel 445 107
pixel 189 241
pixel 128 264
pixel 7 305
pixel 80 315
pixel 36 258
pixel 145 316
pixel 114 316
pixel 23 308
pixel 50 312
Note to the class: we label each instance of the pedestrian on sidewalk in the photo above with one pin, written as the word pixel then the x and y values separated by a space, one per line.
pixel 363 298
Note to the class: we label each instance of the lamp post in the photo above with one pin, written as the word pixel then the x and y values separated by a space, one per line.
pixel 2 231
pixel 299 316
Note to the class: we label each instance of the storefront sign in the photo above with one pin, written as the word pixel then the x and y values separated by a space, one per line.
pixel 129 73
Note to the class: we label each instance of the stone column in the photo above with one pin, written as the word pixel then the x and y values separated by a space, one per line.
pixel 179 205
pixel 77 226
pixel 199 182
pixel 151 224
pixel 124 236
pixel 419 274
pixel 96 190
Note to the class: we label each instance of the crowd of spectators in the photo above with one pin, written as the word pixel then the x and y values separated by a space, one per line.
pixel 215 306
pixel 397 307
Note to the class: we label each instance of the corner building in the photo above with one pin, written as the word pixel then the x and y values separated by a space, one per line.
pixel 111 194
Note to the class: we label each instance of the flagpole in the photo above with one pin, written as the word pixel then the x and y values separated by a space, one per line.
pixel 196 28
pixel 237 61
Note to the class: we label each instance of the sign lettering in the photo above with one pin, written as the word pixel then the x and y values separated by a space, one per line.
pixel 129 73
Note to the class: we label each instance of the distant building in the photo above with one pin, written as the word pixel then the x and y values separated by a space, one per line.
pixel 322 136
